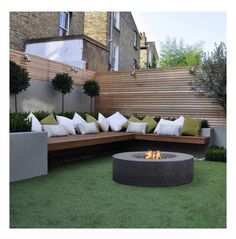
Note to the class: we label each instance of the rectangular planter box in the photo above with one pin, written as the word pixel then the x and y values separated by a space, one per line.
pixel 28 155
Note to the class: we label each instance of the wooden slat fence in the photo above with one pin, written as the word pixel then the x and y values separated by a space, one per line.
pixel 156 92
pixel 43 69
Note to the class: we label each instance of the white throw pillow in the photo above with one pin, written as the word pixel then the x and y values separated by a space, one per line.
pixel 136 127
pixel 88 128
pixel 116 121
pixel 103 122
pixel 169 129
pixel 179 122
pixel 77 119
pixel 55 130
pixel 68 123
pixel 36 126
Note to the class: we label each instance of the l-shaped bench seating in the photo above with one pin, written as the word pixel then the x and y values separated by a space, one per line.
pixel 77 141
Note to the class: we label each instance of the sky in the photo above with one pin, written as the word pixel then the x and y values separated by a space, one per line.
pixel 192 27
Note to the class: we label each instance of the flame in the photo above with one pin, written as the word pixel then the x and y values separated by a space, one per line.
pixel 152 154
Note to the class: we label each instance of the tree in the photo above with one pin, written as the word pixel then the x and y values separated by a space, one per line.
pixel 176 53
pixel 211 76
pixel 62 82
pixel 154 62
pixel 91 88
pixel 19 80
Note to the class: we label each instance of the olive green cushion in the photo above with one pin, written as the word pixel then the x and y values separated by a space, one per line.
pixel 131 119
pixel 90 118
pixel 151 123
pixel 191 127
pixel 49 120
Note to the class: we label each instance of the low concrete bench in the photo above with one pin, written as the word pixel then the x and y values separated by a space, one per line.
pixel 77 141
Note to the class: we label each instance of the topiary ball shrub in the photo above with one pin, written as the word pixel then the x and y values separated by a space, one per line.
pixel 19 80
pixel 62 82
pixel 216 153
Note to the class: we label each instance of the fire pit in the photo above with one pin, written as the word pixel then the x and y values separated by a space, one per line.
pixel 171 169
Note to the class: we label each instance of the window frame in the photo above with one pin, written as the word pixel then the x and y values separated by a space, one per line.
pixel 116 20
pixel 115 53
pixel 135 40
pixel 62 29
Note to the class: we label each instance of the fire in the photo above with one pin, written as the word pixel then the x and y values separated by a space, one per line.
pixel 152 154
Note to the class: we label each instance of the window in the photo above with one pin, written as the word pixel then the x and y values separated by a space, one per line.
pixel 116 20
pixel 115 57
pixel 64 20
pixel 135 39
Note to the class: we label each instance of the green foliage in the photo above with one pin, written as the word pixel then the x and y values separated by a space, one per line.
pixel 62 82
pixel 19 123
pixel 91 88
pixel 175 53
pixel 216 153
pixel 211 77
pixel 19 80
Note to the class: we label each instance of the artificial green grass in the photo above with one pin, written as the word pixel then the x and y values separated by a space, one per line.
pixel 83 195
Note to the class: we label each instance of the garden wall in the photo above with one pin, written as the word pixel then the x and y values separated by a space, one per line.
pixel 41 94
pixel 157 92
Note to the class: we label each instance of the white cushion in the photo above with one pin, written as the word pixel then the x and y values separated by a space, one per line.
pixel 77 119
pixel 88 128
pixel 136 127
pixel 169 129
pixel 68 123
pixel 55 130
pixel 103 122
pixel 179 122
pixel 116 121
pixel 36 126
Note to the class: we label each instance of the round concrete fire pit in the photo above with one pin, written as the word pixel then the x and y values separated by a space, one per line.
pixel 132 169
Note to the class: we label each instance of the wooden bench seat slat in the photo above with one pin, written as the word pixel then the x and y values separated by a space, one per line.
pixel 77 141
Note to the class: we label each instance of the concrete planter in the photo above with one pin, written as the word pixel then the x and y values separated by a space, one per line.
pixel 28 155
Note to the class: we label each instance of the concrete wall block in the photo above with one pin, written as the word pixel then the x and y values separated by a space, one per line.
pixel 28 155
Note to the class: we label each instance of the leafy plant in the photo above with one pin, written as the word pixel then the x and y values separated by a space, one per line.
pixel 19 123
pixel 175 53
pixel 92 89
pixel 211 77
pixel 216 153
pixel 62 82
pixel 19 80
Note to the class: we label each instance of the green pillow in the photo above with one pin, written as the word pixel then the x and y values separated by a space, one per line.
pixel 131 119
pixel 191 127
pixel 151 123
pixel 90 118
pixel 49 120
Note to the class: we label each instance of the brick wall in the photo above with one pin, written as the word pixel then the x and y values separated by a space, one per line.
pixel 127 50
pixel 143 58
pixel 96 55
pixel 96 26
pixel 29 25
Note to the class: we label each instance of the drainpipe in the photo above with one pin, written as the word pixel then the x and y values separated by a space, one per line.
pixel 111 41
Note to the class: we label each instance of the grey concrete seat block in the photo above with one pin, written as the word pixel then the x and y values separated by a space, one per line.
pixel 28 155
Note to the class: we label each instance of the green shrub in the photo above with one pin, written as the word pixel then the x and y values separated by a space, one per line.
pixel 19 123
pixel 216 153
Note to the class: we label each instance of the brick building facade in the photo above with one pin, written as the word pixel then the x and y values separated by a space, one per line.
pixel 112 32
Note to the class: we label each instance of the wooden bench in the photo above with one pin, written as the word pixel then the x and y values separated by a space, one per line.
pixel 77 141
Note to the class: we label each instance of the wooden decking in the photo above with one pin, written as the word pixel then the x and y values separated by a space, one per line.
pixel 77 141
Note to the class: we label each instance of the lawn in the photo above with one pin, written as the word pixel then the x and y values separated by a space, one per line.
pixel 83 195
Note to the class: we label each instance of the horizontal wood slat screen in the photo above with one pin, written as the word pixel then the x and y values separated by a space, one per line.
pixel 157 92
pixel 43 69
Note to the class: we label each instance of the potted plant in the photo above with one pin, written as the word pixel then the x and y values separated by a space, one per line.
pixel 92 89
pixel 62 82
pixel 19 80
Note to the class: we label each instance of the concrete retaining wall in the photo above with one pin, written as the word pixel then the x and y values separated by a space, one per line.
pixel 42 96
pixel 28 155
